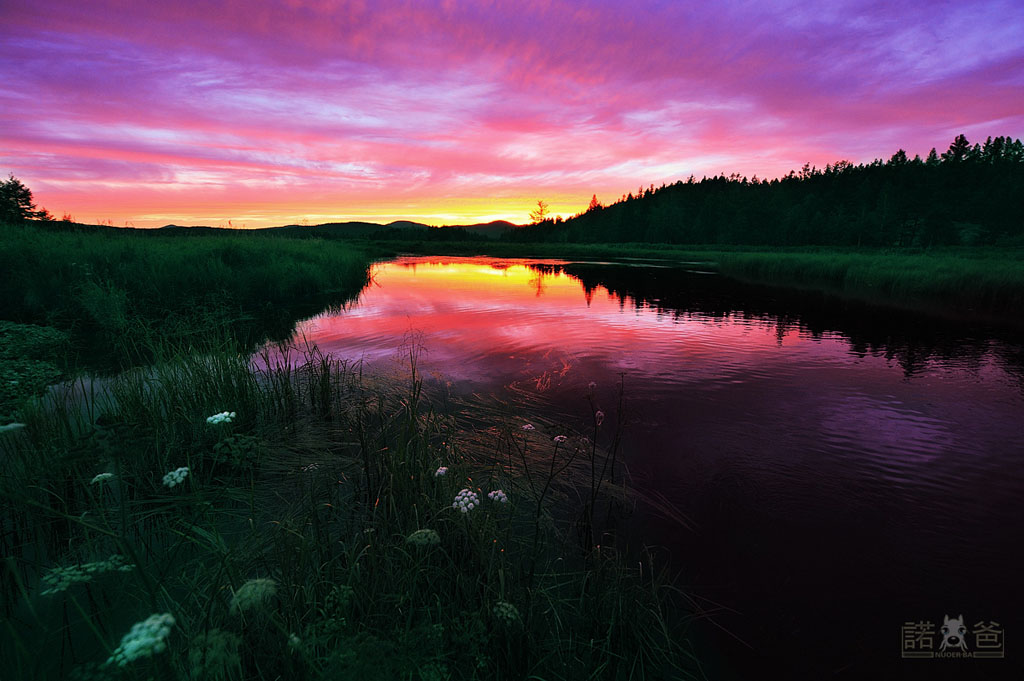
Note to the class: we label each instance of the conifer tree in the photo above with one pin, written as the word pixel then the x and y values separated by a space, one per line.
pixel 16 203
pixel 959 150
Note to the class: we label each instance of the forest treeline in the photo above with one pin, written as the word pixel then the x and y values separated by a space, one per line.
pixel 971 194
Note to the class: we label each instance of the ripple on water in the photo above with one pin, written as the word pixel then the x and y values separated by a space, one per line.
pixel 884 437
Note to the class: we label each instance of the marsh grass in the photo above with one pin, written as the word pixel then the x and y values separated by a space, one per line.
pixel 981 282
pixel 286 552
pixel 120 288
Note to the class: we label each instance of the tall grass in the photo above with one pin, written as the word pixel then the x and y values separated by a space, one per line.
pixel 313 536
pixel 975 283
pixel 108 285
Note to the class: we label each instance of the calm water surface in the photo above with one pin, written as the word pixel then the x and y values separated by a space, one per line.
pixel 844 469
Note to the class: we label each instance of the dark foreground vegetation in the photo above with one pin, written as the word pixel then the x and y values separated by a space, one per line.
pixel 210 518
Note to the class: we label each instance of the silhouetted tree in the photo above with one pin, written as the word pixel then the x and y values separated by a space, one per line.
pixel 958 151
pixel 540 214
pixel 16 202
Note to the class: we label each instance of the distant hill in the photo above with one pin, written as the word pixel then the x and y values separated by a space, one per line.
pixel 344 229
pixel 192 229
pixel 355 229
pixel 398 230
pixel 493 229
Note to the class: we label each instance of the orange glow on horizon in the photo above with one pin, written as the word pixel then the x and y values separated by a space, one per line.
pixel 143 210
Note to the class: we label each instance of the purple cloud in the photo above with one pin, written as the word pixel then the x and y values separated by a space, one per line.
pixel 454 111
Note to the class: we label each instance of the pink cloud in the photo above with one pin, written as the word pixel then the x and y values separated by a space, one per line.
pixel 360 106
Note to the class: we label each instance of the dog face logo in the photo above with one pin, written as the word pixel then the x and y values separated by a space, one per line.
pixel 953 631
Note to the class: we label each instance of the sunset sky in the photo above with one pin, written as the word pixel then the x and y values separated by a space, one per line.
pixel 266 113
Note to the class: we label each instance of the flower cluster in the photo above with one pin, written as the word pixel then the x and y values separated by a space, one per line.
pixel 465 500
pixel 223 417
pixel 176 477
pixel 254 594
pixel 102 477
pixel 443 470
pixel 506 612
pixel 143 640
pixel 423 538
pixel 497 495
pixel 60 578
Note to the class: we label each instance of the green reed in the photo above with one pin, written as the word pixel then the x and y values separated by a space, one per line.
pixel 312 535
pixel 116 288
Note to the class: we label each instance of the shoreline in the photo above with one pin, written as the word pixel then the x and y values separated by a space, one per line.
pixel 962 285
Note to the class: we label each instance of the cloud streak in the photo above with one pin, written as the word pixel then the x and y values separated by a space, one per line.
pixel 458 111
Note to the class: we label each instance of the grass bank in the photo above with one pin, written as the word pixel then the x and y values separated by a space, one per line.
pixel 110 286
pixel 207 517
pixel 974 283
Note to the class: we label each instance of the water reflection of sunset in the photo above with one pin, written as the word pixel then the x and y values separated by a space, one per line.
pixel 551 325
pixel 481 320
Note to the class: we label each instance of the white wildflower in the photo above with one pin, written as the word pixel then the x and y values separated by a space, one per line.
pixel 498 495
pixel 599 417
pixel 60 578
pixel 560 438
pixel 506 612
pixel 102 477
pixel 423 538
pixel 223 417
pixel 176 477
pixel 254 594
pixel 443 470
pixel 592 386
pixel 143 640
pixel 465 500
pixel 529 427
